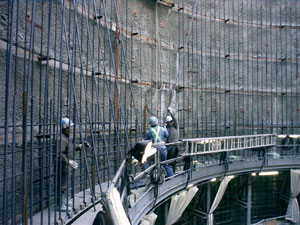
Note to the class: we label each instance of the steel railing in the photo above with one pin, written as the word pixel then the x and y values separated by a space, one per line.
pixel 192 148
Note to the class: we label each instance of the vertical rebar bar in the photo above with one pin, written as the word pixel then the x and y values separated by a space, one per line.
pixel 209 72
pixel 14 123
pixel 277 102
pixel 252 69
pixel 29 87
pixel 117 63
pixel 225 71
pixel 31 173
pixel 197 87
pixel 271 73
pixel 244 95
pixel 281 72
pixel 297 54
pixel 7 107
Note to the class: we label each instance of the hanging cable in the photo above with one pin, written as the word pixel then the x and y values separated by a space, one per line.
pixel 185 44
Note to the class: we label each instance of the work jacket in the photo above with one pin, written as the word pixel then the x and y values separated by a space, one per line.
pixel 173 131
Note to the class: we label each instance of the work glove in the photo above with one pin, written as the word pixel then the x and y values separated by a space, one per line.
pixel 86 144
pixel 73 164
pixel 171 110
pixel 134 161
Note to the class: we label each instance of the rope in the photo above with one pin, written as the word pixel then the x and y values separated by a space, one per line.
pixel 185 44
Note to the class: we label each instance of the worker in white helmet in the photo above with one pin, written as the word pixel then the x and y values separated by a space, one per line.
pixel 173 130
pixel 172 127
pixel 158 134
pixel 66 148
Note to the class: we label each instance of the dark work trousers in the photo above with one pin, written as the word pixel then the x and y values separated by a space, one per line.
pixel 223 157
pixel 62 182
pixel 172 154
pixel 163 157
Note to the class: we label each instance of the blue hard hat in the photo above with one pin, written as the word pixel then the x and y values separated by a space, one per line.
pixel 153 121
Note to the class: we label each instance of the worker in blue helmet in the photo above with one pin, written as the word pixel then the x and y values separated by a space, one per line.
pixel 66 161
pixel 159 135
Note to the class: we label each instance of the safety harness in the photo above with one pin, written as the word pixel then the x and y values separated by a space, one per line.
pixel 155 131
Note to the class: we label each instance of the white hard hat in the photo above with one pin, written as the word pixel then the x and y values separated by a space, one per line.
pixel 169 119
pixel 66 122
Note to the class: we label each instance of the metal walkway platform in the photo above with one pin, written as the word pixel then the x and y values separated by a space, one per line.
pixel 244 154
pixel 147 201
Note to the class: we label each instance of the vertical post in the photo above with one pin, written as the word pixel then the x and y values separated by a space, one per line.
pixel 24 131
pixel 235 128
pixel 235 122
pixel 249 198
pixel 208 199
pixel 166 211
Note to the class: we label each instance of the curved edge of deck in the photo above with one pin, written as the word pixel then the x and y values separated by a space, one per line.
pixel 147 202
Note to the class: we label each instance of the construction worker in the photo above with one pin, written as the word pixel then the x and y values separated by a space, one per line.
pixel 67 152
pixel 158 135
pixel 172 127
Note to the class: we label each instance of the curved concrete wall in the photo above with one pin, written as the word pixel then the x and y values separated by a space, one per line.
pixel 239 53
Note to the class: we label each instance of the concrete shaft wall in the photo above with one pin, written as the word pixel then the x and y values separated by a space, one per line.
pixel 236 63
